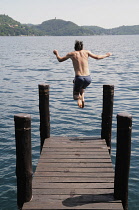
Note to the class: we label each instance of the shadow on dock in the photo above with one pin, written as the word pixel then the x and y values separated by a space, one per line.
pixel 84 139
pixel 87 199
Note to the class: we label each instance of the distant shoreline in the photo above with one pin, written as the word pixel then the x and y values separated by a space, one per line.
pixel 58 27
pixel 71 35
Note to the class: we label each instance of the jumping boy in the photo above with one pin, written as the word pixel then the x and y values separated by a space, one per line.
pixel 80 63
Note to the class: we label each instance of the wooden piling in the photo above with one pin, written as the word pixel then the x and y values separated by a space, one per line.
pixel 44 112
pixel 107 111
pixel 23 158
pixel 124 126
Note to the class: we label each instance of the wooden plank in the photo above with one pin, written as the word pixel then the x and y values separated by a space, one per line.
pixel 50 205
pixel 65 143
pixel 73 185
pixel 58 205
pixel 74 139
pixel 71 141
pixel 76 149
pixel 75 170
pixel 72 156
pixel 63 160
pixel 61 145
pixel 70 191
pixel 74 165
pixel 100 153
pixel 73 180
pixel 75 174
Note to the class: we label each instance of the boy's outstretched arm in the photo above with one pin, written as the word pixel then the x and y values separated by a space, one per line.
pixel 99 56
pixel 60 59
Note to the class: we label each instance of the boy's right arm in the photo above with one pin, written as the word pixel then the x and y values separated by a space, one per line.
pixel 61 59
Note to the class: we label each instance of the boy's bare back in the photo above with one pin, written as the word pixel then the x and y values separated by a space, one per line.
pixel 80 62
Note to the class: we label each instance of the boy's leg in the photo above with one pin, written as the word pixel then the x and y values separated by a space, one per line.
pixel 82 98
pixel 78 91
pixel 87 81
pixel 79 96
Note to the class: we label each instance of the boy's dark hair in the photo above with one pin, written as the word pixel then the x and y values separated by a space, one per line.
pixel 78 45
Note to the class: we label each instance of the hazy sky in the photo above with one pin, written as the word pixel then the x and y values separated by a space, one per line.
pixel 104 13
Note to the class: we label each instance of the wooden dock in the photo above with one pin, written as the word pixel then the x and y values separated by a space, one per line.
pixel 74 173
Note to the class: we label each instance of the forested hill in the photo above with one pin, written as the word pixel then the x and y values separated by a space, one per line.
pixel 122 30
pixel 57 27
pixel 10 27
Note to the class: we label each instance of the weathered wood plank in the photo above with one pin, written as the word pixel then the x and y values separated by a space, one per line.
pixel 75 174
pixel 70 191
pixel 63 160
pixel 76 149
pixel 74 165
pixel 74 139
pixel 72 185
pixel 65 145
pixel 56 205
pixel 96 154
pixel 69 144
pixel 85 141
pixel 73 180
pixel 73 156
pixel 74 170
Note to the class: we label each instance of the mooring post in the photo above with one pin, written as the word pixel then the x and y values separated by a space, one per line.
pixel 23 158
pixel 122 165
pixel 107 111
pixel 44 113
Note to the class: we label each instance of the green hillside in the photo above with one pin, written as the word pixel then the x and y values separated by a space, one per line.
pixel 57 27
pixel 10 27
pixel 5 19
pixel 122 30
pixel 125 30
pixel 96 30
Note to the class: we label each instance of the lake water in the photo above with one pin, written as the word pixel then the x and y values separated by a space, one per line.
pixel 26 62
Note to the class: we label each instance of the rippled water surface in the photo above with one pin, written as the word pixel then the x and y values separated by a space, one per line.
pixel 26 62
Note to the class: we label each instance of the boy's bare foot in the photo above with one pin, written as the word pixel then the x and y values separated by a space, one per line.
pixel 81 101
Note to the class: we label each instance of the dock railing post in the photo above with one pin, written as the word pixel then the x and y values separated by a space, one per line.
pixel 122 165
pixel 23 158
pixel 44 113
pixel 107 111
